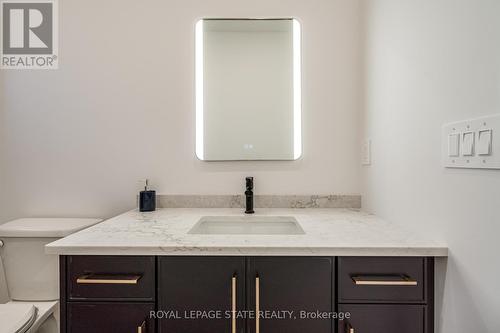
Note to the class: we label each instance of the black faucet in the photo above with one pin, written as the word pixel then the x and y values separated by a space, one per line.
pixel 249 195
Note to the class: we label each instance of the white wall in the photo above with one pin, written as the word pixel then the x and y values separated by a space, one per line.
pixel 121 107
pixel 3 171
pixel 430 62
pixel 6 209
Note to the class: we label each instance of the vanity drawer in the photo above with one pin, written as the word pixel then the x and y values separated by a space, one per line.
pixel 384 318
pixel 383 279
pixel 111 278
pixel 102 317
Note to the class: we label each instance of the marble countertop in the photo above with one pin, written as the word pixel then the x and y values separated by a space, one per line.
pixel 328 232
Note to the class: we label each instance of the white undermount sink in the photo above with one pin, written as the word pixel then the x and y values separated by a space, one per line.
pixel 247 225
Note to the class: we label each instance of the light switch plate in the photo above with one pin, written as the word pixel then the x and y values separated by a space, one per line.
pixel 479 150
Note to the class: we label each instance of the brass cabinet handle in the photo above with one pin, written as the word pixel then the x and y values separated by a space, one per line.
pixel 257 304
pixel 142 328
pixel 108 279
pixel 233 303
pixel 384 280
pixel 349 328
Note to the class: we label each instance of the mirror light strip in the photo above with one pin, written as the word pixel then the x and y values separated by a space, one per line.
pixel 297 91
pixel 199 88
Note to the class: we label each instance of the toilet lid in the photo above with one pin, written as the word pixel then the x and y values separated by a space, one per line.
pixel 16 317
pixel 45 227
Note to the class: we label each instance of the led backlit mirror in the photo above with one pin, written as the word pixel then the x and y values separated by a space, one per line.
pixel 248 89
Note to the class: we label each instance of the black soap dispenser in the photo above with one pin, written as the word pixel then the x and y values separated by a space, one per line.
pixel 147 199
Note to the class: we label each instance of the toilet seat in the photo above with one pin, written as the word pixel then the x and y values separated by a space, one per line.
pixel 24 317
pixel 17 317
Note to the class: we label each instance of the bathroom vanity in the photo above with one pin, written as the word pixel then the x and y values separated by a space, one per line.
pixel 162 272
pixel 221 271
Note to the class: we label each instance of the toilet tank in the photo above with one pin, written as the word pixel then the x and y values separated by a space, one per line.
pixel 31 274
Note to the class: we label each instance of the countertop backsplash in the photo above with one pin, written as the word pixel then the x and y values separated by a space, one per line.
pixel 260 201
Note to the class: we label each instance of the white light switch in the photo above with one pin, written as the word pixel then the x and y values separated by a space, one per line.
pixel 478 144
pixel 453 145
pixel 484 143
pixel 468 144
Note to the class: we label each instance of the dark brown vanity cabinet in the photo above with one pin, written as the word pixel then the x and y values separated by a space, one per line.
pixel 386 295
pixel 103 294
pixel 204 294
pixel 200 293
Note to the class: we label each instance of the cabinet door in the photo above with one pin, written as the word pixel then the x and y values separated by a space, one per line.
pixel 288 292
pixel 197 294
pixel 382 318
pixel 110 317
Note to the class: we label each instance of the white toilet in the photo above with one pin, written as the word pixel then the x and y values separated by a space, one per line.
pixel 33 276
